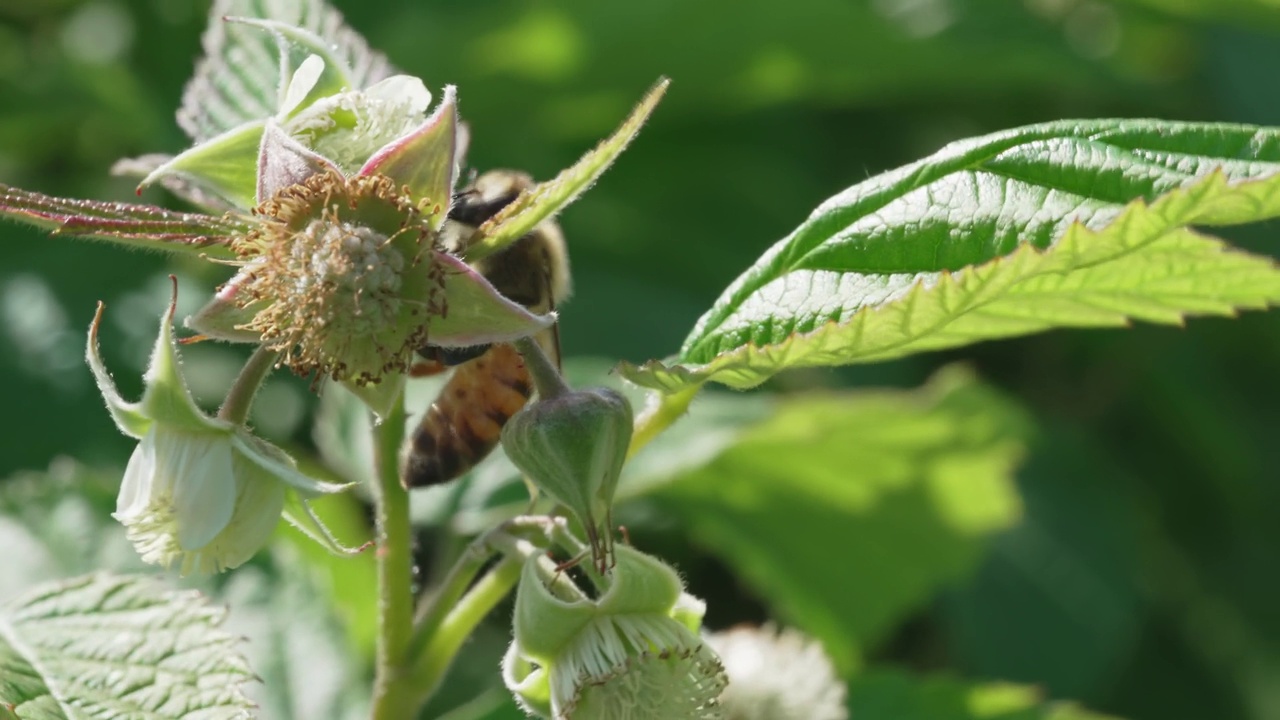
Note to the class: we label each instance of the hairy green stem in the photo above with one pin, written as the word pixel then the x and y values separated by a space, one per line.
pixel 434 614
pixel 394 695
pixel 546 376
pixel 235 408
pixel 458 624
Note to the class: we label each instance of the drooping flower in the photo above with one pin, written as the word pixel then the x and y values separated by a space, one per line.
pixel 777 675
pixel 200 493
pixel 632 653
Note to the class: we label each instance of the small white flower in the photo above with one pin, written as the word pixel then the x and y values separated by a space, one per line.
pixel 777 675
pixel 199 493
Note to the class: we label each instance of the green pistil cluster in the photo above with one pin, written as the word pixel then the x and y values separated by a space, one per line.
pixel 335 277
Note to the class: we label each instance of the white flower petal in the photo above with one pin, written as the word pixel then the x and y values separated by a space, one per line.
pixel 408 91
pixel 204 488
pixel 300 85
pixel 138 476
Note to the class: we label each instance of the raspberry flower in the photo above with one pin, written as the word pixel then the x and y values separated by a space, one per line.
pixel 200 493
pixel 336 183
pixel 633 653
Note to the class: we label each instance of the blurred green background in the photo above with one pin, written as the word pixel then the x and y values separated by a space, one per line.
pixel 1144 579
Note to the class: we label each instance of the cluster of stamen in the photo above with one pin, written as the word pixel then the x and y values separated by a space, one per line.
pixel 326 273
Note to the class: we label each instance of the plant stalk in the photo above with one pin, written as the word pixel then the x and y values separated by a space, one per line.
pixel 546 376
pixel 394 697
pixel 235 408
pixel 456 626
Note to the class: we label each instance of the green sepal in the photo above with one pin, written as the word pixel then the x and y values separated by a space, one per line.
pixel 546 625
pixel 380 397
pixel 477 314
pixel 298 513
pixel 530 685
pixel 283 161
pixel 277 462
pixel 546 199
pixel 223 165
pixel 425 160
pixel 641 584
pixel 129 224
pixel 166 398
pixel 221 318
pixel 128 416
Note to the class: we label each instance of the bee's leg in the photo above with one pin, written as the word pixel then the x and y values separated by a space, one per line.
pixel 435 360
pixel 426 368
pixel 457 356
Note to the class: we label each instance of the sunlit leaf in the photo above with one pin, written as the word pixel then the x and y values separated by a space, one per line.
pixel 845 512
pixel 105 646
pixel 128 224
pixel 309 614
pixel 1070 224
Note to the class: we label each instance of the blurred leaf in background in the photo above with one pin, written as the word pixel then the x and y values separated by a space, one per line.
pixel 1140 578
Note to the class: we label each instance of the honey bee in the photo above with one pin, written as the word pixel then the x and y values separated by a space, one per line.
pixel 489 383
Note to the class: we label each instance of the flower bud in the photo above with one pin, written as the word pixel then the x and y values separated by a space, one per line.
pixel 199 492
pixel 572 447
pixel 623 655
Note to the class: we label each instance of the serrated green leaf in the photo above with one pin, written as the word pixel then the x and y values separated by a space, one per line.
pixel 107 646
pixel 1069 224
pixel 241 77
pixel 129 224
pixel 886 695
pixel 844 512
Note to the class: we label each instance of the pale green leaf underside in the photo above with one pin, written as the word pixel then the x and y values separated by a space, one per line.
pixel 242 77
pixel 846 512
pixel 1060 225
pixel 122 647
